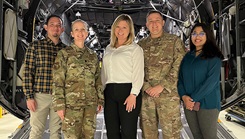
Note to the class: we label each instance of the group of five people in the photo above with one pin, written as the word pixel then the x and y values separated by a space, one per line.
pixel 146 80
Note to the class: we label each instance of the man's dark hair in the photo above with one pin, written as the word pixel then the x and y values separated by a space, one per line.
pixel 53 15
pixel 156 11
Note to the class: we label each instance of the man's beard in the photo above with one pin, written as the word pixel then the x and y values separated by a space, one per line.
pixel 55 35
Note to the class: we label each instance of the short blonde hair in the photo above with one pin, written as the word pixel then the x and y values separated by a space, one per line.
pixel 131 36
pixel 82 21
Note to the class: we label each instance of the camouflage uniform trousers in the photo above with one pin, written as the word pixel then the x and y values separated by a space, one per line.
pixel 79 122
pixel 164 110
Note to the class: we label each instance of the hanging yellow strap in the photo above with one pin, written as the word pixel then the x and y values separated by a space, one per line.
pixel 1 112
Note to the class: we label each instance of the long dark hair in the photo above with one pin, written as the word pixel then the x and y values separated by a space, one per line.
pixel 210 48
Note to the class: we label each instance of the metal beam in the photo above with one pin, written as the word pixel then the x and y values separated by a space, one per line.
pixel 1 38
pixel 238 47
pixel 220 46
pixel 29 19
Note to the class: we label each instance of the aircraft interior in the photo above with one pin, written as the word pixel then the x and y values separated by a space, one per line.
pixel 22 22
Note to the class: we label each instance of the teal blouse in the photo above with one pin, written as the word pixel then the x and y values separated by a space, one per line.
pixel 200 79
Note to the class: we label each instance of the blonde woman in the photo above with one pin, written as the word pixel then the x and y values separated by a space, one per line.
pixel 122 77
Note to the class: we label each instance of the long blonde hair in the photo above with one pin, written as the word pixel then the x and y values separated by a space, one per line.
pixel 131 35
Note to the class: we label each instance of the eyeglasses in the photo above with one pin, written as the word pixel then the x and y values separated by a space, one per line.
pixel 201 34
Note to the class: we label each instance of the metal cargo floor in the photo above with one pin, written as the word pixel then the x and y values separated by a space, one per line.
pixel 223 133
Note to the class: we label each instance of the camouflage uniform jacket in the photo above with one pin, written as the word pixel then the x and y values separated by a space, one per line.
pixel 76 78
pixel 162 58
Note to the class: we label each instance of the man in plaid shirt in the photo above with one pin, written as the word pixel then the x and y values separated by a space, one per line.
pixel 37 79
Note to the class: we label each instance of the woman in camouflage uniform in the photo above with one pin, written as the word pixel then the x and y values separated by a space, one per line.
pixel 76 86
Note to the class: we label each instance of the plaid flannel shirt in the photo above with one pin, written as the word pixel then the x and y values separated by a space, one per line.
pixel 39 59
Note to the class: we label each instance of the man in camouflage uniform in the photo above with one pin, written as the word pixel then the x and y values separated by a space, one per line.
pixel 163 53
pixel 77 88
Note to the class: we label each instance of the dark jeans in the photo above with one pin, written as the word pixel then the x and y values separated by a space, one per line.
pixel 120 124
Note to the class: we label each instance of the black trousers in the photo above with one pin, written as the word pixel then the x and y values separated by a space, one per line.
pixel 120 124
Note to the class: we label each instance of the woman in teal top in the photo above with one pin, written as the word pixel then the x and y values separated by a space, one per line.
pixel 199 81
